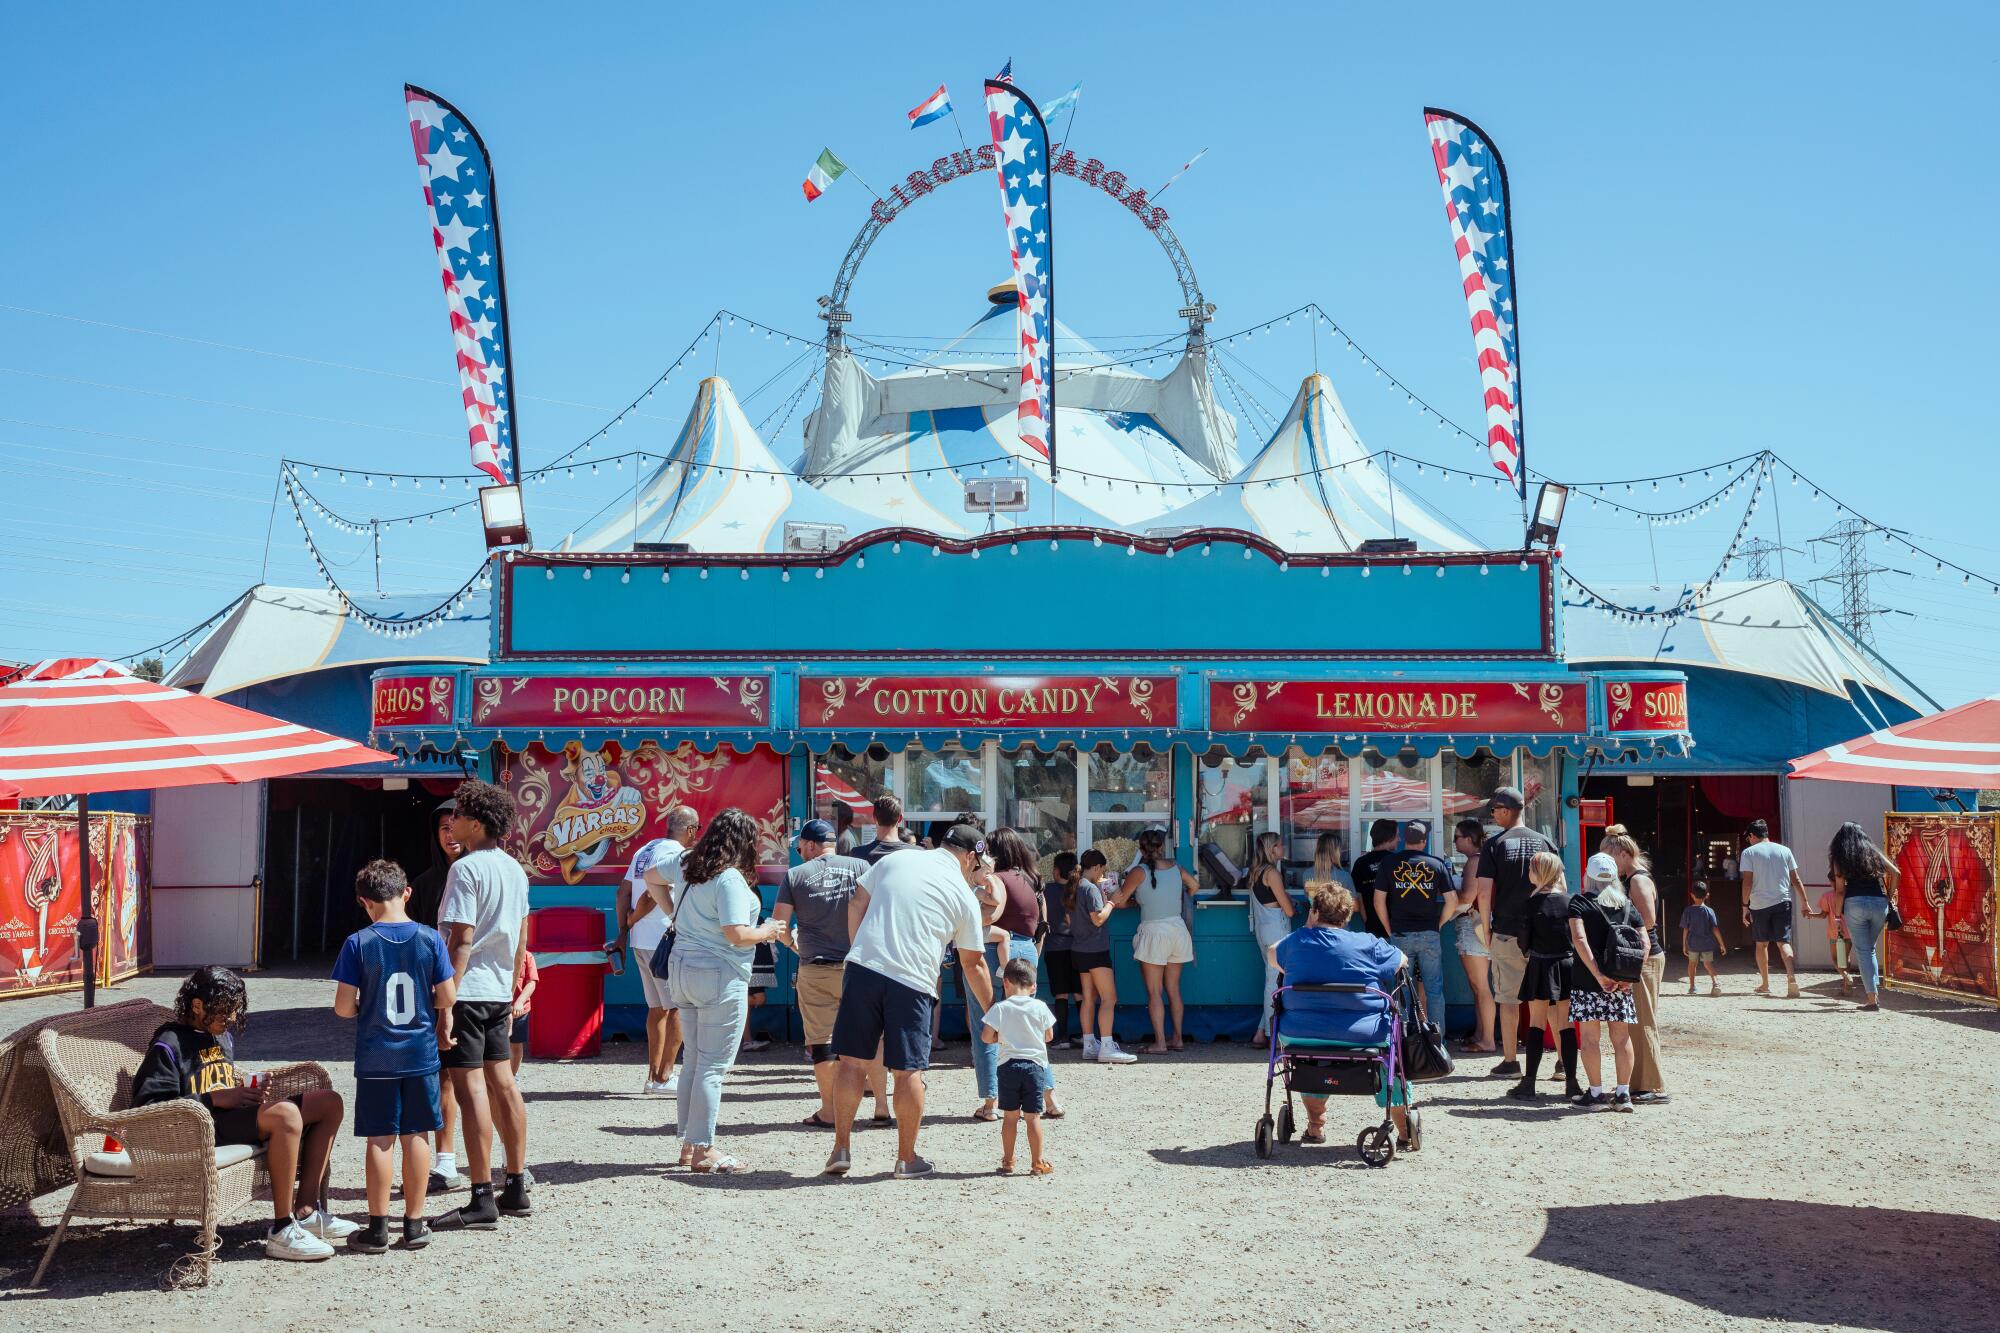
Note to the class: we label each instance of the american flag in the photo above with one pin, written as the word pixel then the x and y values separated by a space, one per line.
pixel 458 194
pixel 1021 142
pixel 1474 180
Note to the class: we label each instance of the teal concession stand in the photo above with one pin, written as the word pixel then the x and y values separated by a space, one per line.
pixel 1079 685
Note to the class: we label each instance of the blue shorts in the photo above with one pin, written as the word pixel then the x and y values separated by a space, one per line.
pixel 1021 1086
pixel 878 1011
pixel 396 1106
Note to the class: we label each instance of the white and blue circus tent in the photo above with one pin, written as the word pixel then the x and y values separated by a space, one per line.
pixel 1313 487
pixel 1129 446
pixel 720 489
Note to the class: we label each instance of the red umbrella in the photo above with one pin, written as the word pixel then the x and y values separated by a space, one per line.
pixel 79 725
pixel 1959 747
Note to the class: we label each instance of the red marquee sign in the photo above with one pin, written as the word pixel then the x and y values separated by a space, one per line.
pixel 1646 705
pixel 987 701
pixel 1397 706
pixel 621 701
pixel 413 701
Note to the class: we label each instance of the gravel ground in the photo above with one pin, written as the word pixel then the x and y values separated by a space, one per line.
pixel 1797 1178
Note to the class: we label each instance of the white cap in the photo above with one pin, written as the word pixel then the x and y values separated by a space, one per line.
pixel 1600 869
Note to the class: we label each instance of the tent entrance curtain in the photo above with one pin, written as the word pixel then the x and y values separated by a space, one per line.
pixel 1742 796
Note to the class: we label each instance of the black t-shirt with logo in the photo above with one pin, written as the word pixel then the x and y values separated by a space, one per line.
pixel 1365 867
pixel 871 852
pixel 1504 860
pixel 1417 884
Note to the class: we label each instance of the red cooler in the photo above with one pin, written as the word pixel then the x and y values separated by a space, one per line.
pixel 568 1017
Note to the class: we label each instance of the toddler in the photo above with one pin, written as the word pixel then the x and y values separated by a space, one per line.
pixel 1020 1026
pixel 1701 937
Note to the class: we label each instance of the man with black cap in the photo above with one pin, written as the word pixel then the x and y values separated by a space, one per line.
pixel 1503 863
pixel 813 902
pixel 1412 891
pixel 904 912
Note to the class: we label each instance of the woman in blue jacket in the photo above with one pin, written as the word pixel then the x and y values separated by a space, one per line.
pixel 1325 952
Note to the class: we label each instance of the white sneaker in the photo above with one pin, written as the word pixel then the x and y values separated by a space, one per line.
pixel 1109 1054
pixel 328 1227
pixel 659 1087
pixel 294 1242
pixel 1090 1048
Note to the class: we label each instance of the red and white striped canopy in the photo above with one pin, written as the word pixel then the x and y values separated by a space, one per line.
pixel 77 724
pixel 1959 747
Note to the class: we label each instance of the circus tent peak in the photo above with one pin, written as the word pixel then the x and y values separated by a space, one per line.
pixel 1314 487
pixel 720 489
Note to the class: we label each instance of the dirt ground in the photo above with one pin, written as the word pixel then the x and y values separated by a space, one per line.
pixel 1816 1167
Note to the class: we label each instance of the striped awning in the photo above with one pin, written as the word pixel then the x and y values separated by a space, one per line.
pixel 1957 748
pixel 75 725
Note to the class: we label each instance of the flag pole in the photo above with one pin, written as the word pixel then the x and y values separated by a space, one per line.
pixel 955 123
pixel 864 184
pixel 86 925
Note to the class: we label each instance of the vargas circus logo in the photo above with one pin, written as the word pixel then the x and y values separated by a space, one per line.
pixel 597 810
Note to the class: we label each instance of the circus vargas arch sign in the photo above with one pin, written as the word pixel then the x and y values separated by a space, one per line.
pixel 977 161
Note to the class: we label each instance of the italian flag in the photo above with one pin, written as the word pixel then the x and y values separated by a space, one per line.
pixel 824 173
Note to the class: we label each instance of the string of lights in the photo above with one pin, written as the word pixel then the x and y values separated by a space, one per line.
pixel 392 626
pixel 1690 597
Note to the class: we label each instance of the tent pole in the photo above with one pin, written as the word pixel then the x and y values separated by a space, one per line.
pixel 86 926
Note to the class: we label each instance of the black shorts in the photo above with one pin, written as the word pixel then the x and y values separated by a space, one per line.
pixel 877 1010
pixel 393 1107
pixel 1772 925
pixel 1084 962
pixel 518 1034
pixel 1061 964
pixel 239 1123
pixel 1021 1086
pixel 479 1034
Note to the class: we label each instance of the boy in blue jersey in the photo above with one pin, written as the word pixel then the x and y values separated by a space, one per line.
pixel 395 977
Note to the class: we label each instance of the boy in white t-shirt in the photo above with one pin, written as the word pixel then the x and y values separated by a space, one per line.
pixel 1020 1026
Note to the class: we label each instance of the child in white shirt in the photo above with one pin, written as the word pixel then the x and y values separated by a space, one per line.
pixel 1020 1026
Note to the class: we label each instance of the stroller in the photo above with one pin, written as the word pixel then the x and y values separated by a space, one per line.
pixel 1321 1067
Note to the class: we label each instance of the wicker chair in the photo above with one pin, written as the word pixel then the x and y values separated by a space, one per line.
pixel 170 1168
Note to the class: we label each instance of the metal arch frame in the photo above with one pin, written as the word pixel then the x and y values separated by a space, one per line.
pixel 833 306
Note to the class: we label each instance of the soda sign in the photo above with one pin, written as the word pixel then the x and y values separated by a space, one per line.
pixel 413 701
pixel 1646 705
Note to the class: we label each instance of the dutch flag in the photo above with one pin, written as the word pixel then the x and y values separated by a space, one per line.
pixel 935 107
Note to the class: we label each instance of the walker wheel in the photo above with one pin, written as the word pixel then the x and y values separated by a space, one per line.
pixel 1377 1145
pixel 1287 1126
pixel 1264 1136
pixel 1416 1119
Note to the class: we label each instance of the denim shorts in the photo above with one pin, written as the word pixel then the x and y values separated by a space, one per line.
pixel 1021 1086
pixel 396 1106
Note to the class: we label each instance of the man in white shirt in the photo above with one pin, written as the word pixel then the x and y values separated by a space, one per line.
pixel 904 912
pixel 1772 874
pixel 648 927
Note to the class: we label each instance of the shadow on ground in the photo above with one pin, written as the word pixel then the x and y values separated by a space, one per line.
pixel 1814 1263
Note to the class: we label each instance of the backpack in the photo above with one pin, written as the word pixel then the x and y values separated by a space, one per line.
pixel 1622 956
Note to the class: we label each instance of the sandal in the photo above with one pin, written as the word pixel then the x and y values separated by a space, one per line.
pixel 814 1122
pixel 727 1166
pixel 1006 1167
pixel 882 1118
pixel 1041 1169
pixel 1054 1113
pixel 1260 1041
pixel 1313 1136
pixel 986 1114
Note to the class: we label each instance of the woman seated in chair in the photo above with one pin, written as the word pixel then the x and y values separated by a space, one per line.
pixel 1325 952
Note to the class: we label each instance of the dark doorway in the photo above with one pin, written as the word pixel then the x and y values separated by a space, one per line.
pixel 1692 829
pixel 318 833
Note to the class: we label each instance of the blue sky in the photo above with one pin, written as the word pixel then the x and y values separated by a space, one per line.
pixel 1737 227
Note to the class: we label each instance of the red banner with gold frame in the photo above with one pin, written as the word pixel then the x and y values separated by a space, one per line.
pixel 987 701
pixel 578 702
pixel 41 898
pixel 582 813
pixel 1398 707
pixel 1946 890
pixel 1645 705
pixel 412 701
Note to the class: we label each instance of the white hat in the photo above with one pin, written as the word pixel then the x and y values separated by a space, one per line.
pixel 1600 869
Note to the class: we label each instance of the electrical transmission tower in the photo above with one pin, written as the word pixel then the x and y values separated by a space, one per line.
pixel 1854 574
pixel 1756 556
